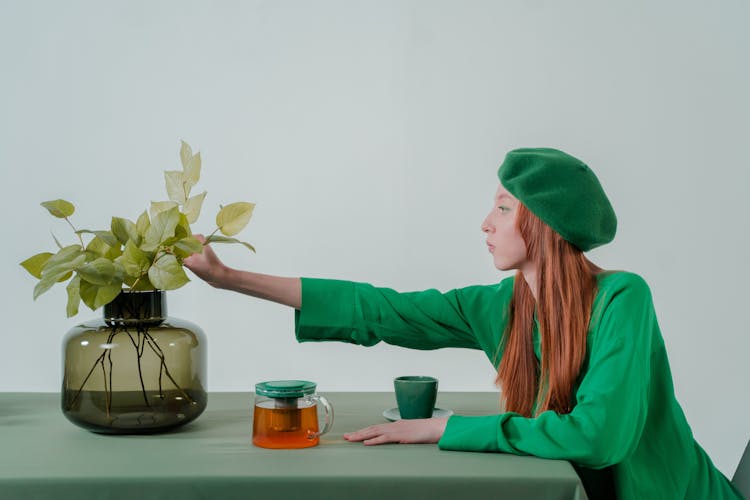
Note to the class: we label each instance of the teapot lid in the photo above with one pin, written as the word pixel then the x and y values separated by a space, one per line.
pixel 285 388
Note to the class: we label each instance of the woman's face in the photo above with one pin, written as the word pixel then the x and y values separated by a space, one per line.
pixel 504 241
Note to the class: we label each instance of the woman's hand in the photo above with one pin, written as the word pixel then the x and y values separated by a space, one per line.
pixel 207 265
pixel 423 430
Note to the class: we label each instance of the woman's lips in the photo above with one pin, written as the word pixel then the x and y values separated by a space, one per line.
pixel 490 247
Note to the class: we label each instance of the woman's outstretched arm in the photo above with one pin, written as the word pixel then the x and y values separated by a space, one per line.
pixel 211 269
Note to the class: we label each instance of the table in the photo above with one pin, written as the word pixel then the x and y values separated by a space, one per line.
pixel 44 456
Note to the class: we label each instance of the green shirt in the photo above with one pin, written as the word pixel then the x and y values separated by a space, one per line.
pixel 625 416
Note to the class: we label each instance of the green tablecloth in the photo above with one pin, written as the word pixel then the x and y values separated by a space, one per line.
pixel 45 456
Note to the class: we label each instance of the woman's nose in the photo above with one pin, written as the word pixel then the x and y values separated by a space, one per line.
pixel 485 226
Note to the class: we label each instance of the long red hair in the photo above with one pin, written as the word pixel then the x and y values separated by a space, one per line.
pixel 566 283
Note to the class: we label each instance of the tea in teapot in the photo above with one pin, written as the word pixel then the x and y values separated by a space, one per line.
pixel 286 414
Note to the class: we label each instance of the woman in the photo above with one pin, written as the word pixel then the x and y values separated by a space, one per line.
pixel 579 355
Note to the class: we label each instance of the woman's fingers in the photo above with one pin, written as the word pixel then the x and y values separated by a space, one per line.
pixel 375 434
pixel 427 430
pixel 382 439
pixel 362 434
pixel 206 265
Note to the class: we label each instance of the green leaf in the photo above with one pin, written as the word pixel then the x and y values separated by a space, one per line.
pixel 188 246
pixel 113 253
pixel 192 171
pixel 222 239
pixel 43 286
pixel 158 207
pixel 65 255
pixel 167 273
pixel 65 277
pixel 143 284
pixel 133 260
pixel 98 248
pixel 107 236
pixel 232 218
pixel 182 230
pixel 96 296
pixel 125 230
pixel 186 152
pixel 175 186
pixel 179 234
pixel 74 296
pixel 59 208
pixel 142 224
pixel 129 280
pixel 162 228
pixel 35 263
pixel 192 207
pixel 100 272
pixel 56 273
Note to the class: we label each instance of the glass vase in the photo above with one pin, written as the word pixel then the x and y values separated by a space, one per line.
pixel 135 371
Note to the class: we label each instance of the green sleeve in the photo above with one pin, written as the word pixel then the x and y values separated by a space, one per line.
pixel 611 401
pixel 360 313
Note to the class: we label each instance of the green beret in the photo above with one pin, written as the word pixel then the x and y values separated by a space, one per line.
pixel 563 192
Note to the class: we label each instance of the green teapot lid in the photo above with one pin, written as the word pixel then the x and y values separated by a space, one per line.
pixel 285 388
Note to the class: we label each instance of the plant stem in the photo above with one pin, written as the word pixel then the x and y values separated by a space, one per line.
pixel 107 392
pixel 136 281
pixel 154 346
pixel 139 352
pixel 109 358
pixel 75 398
pixel 107 401
pixel 135 346
pixel 76 233
pixel 161 368
pixel 208 240
pixel 138 349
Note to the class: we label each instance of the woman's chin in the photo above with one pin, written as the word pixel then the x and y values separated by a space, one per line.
pixel 505 266
pixel 500 266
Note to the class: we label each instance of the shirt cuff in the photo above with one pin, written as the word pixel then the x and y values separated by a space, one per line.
pixel 327 311
pixel 476 433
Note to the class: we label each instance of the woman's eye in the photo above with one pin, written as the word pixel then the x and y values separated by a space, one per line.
pixel 503 209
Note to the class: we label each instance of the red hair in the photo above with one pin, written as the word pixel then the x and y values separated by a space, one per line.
pixel 566 287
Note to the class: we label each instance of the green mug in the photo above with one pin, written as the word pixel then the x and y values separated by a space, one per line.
pixel 415 396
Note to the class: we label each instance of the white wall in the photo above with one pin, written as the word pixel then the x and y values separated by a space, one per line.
pixel 369 134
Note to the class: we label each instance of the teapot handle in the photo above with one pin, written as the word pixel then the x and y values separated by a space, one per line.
pixel 329 415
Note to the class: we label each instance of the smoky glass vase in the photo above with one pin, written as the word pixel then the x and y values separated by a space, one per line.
pixel 135 371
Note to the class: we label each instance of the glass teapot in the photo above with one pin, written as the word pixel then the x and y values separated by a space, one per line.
pixel 286 414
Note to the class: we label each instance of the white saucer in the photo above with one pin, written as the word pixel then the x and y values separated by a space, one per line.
pixel 393 414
